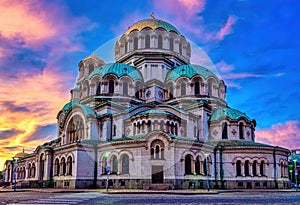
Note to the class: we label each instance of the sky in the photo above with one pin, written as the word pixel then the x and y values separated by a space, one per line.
pixel 253 44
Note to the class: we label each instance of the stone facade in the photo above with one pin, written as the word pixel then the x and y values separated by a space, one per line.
pixel 151 118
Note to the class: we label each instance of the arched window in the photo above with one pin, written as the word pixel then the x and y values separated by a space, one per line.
pixel 125 88
pixel 29 171
pixel 69 165
pixel 126 47
pixel 160 42
pixel 171 44
pixel 188 164
pixel 247 168
pixel 205 166
pixel 197 165
pixel 149 126
pixel 111 86
pixel 197 88
pixel 98 90
pixel 241 130
pixel 224 130
pixel 238 168
pixel 262 168
pixel 91 68
pixel 42 166
pixel 170 91
pixel 125 164
pixel 157 149
pixel 56 167
pixel 33 170
pixel 104 164
pixel 147 41
pixel 183 89
pixel 75 130
pixel 210 88
pixel 135 43
pixel 114 164
pixel 63 166
pixel 254 166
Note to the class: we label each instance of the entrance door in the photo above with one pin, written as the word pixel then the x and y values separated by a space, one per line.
pixel 157 174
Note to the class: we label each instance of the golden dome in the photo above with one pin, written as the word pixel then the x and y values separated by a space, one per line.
pixel 20 155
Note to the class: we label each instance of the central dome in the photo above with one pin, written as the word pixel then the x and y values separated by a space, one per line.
pixel 153 24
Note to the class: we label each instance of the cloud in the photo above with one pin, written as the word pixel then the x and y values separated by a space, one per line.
pixel 233 76
pixel 227 29
pixel 282 134
pixel 224 67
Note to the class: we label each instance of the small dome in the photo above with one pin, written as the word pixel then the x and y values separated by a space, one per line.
pixel 189 71
pixel 119 69
pixel 231 113
pixel 153 24
pixel 20 155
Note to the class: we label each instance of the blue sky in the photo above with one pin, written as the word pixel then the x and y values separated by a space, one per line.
pixel 253 44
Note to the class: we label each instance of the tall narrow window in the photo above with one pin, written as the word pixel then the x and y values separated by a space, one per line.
pixel 247 168
pixel 125 164
pixel 114 130
pixel 205 166
pixel 188 164
pixel 111 86
pixel 114 162
pixel 98 91
pixel 238 168
pixel 126 47
pixel 241 130
pixel 224 130
pixel 197 88
pixel 157 152
pixel 197 166
pixel 69 165
pixel 180 48
pixel 171 92
pixel 183 89
pixel 63 166
pixel 42 166
pixel 210 89
pixel 147 41
pixel 262 168
pixel 91 68
pixel 56 167
pixel 135 43
pixel 125 88
pixel 171 44
pixel 160 42
pixel 254 166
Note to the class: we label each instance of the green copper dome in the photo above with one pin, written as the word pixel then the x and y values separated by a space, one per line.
pixel 86 109
pixel 119 69
pixel 231 113
pixel 153 24
pixel 189 71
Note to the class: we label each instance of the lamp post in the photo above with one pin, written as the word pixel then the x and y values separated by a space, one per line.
pixel 15 165
pixel 206 165
pixel 296 173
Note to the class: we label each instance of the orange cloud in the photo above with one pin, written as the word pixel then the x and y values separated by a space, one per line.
pixel 27 103
pixel 227 29
pixel 282 134
pixel 26 19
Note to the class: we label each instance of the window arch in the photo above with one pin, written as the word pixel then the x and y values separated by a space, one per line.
pixel 224 130
pixel 91 68
pixel 247 164
pixel 135 43
pixel 197 88
pixel 254 166
pixel 188 164
pixel 197 165
pixel 98 90
pixel 147 41
pixel 33 170
pixel 111 86
pixel 56 167
pixel 241 130
pixel 114 164
pixel 69 166
pixel 183 88
pixel 29 171
pixel 238 168
pixel 42 166
pixel 63 166
pixel 125 164
pixel 160 42
pixel 125 88
pixel 262 168
pixel 157 149
pixel 75 129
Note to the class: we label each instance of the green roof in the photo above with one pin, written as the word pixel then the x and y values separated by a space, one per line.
pixel 86 109
pixel 189 71
pixel 231 113
pixel 153 24
pixel 238 143
pixel 119 69
pixel 160 112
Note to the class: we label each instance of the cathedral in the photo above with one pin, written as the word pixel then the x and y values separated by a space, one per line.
pixel 151 119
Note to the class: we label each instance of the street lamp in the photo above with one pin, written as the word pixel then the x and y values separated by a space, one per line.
pixel 15 165
pixel 296 172
pixel 107 168
pixel 206 165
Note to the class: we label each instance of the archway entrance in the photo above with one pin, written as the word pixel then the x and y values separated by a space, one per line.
pixel 157 174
